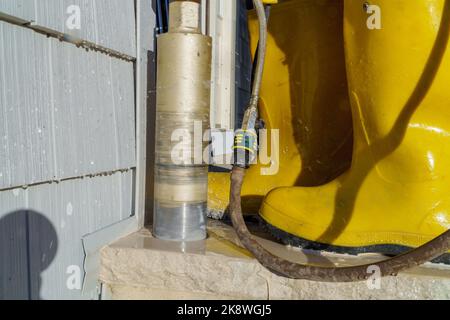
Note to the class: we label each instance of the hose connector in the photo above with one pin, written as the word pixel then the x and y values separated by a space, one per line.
pixel 245 147
pixel 246 139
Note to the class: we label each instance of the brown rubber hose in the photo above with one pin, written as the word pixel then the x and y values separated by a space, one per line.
pixel 389 267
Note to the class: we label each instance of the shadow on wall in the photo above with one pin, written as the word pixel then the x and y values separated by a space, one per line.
pixel 28 245
pixel 151 136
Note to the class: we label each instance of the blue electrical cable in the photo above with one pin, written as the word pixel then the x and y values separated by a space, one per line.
pixel 166 27
pixel 159 17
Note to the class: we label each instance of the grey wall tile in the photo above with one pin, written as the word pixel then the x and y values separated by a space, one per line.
pixel 41 228
pixel 65 112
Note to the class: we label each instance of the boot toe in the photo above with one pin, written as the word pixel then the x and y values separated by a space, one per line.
pixel 302 212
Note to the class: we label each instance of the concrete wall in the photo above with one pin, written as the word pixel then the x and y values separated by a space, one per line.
pixel 68 138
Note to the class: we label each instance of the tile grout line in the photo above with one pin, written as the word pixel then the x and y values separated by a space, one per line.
pixel 63 37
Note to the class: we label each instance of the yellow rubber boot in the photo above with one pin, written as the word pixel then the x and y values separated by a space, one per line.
pixel 397 192
pixel 304 94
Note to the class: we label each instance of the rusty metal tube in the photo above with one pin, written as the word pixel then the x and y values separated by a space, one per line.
pixel 182 116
